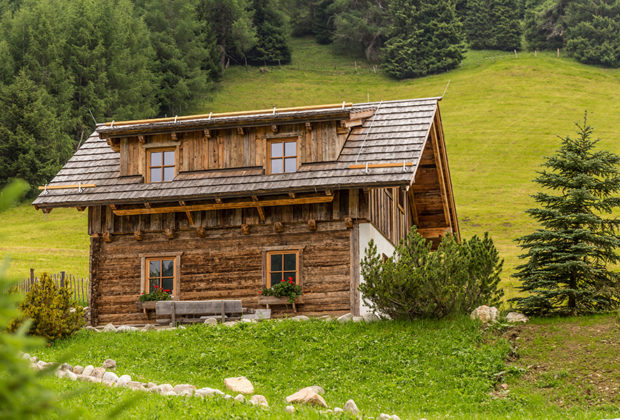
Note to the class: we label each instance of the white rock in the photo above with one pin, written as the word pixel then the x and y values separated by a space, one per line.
pixel 123 380
pixel 357 319
pixel 151 385
pixel 516 317
pixel 338 410
pixel 98 372
pixel 163 388
pixel 65 366
pixel 26 356
pixel 259 400
pixel 60 373
pixel 230 323
pixel 300 318
pixel 71 376
pixel 207 392
pixel 210 321
pixel 138 386
pixel 148 327
pixel 227 397
pixel 110 377
pixel 384 416
pixel 486 314
pixel 240 398
pixel 307 396
pixel 290 409
pixel 345 318
pixel 184 389
pixel 109 364
pixel 85 378
pixel 325 318
pixel 78 369
pixel 88 370
pixel 351 407
pixel 34 359
pixel 239 384
pixel 395 417
pixel 169 393
pixel 126 328
pixel 109 328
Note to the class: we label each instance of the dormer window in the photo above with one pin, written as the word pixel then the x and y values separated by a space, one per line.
pixel 161 165
pixel 282 156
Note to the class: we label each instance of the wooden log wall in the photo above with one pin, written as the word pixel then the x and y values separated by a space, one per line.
pixel 233 148
pixel 225 264
pixel 389 212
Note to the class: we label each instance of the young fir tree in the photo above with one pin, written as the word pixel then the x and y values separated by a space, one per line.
pixel 566 260
pixel 272 38
pixel 424 38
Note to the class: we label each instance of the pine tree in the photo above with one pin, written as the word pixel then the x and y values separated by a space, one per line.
pixel 566 259
pixel 272 39
pixel 493 24
pixel 32 144
pixel 424 38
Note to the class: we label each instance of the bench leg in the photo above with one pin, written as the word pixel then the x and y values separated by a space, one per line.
pixel 223 312
pixel 173 315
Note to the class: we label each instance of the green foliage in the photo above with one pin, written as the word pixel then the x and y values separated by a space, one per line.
pixel 567 259
pixel 493 24
pixel 424 38
pixel 419 283
pixel 184 53
pixel 21 394
pixel 51 309
pixel 33 146
pixel 593 35
pixel 286 288
pixel 544 26
pixel 272 37
pixel 157 294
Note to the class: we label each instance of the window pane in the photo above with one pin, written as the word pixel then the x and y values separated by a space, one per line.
pixel 169 158
pixel 290 275
pixel 276 278
pixel 276 262
pixel 290 262
pixel 167 283
pixel 168 268
pixel 154 269
pixel 290 148
pixel 155 174
pixel 276 166
pixel 168 173
pixel 276 149
pixel 152 283
pixel 290 164
pixel 156 159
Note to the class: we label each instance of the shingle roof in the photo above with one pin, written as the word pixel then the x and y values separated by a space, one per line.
pixel 396 133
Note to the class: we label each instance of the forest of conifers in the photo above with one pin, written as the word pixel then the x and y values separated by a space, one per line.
pixel 65 64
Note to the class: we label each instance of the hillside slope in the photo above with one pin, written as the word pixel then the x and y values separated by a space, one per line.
pixel 501 115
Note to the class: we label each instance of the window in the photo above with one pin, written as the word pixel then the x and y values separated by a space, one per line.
pixel 161 165
pixel 161 270
pixel 282 156
pixel 281 265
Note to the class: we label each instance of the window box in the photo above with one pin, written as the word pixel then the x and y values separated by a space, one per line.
pixel 147 306
pixel 274 300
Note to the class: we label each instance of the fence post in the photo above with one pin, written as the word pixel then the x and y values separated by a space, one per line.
pixel 62 279
pixel 31 276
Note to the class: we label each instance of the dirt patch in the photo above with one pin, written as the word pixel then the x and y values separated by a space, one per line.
pixel 571 361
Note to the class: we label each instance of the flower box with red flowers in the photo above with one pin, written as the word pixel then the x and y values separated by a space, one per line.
pixel 284 292
pixel 148 300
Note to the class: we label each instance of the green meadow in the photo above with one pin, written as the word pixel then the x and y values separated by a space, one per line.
pixel 501 114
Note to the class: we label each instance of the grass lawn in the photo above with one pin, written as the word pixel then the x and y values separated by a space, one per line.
pixel 501 116
pixel 430 369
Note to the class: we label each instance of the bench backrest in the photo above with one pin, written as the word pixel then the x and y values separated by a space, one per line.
pixel 198 307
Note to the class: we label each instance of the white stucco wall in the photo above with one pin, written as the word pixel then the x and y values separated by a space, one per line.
pixel 367 232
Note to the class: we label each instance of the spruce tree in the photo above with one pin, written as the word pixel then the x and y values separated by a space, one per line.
pixel 566 268
pixel 493 24
pixel 271 35
pixel 424 38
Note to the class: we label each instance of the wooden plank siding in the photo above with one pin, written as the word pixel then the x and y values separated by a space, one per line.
pixel 228 148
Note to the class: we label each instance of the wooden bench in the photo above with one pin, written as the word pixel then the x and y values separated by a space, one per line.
pixel 192 311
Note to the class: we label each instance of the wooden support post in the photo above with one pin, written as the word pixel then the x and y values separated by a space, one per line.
pixel 189 218
pixel 62 279
pixel 173 314
pixel 261 212
pixel 223 312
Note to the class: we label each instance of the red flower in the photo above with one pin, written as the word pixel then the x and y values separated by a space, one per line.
pixel 283 280
pixel 260 292
pixel 290 278
pixel 156 287
pixel 290 281
pixel 166 290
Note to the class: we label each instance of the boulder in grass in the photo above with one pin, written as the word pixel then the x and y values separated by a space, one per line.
pixel 207 392
pixel 240 398
pixel 109 364
pixel 486 314
pixel 345 318
pixel 307 396
pixel 210 321
pixel 259 400
pixel 109 328
pixel 290 409
pixel 164 388
pixel 78 369
pixel 71 376
pixel 109 377
pixel 148 327
pixel 184 389
pixel 135 385
pixel 98 372
pixel 514 317
pixel 239 384
pixel 88 370
pixel 123 380
pixel 351 407
pixel 300 318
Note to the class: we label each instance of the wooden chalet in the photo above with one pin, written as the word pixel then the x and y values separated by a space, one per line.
pixel 218 206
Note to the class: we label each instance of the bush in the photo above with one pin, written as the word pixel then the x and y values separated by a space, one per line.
pixel 417 282
pixel 52 310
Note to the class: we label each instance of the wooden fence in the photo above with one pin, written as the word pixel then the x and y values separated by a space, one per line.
pixel 79 286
